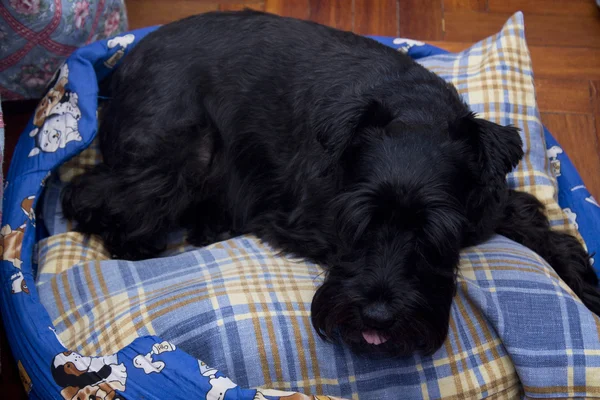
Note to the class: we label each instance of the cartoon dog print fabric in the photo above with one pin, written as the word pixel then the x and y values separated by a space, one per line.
pixel 18 284
pixel 282 395
pixel 56 118
pixel 147 363
pixel 121 42
pixel 552 154
pixel 88 377
pixel 82 377
pixel 11 244
pixel 219 384
pixel 11 241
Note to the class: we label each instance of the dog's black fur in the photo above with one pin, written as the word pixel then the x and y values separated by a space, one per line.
pixel 326 145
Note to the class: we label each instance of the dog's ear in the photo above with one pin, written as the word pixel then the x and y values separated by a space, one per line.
pixel 498 149
pixel 341 126
pixel 495 150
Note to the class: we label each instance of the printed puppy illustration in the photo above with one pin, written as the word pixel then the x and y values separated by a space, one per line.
pixel 552 153
pixel 11 240
pixel 27 208
pixel 123 42
pixel 146 362
pixel 406 44
pixel 101 391
pixel 54 95
pixel 55 133
pixel 18 284
pixel 260 395
pixel 56 117
pixel 219 384
pixel 10 250
pixel 68 105
pixel 82 377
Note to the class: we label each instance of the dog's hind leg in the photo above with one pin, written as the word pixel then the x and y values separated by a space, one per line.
pixel 129 209
pixel 524 222
pixel 135 203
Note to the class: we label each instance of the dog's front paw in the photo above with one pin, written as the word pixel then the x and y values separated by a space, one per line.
pixel 202 237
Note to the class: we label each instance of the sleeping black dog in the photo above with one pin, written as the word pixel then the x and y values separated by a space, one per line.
pixel 326 145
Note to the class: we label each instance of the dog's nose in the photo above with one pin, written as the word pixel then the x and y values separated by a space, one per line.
pixel 377 315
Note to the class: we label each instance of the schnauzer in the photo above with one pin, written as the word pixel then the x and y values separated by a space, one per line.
pixel 326 145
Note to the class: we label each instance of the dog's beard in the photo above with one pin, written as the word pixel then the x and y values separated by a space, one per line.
pixel 420 321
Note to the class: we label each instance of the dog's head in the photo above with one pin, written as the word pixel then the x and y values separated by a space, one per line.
pixel 409 192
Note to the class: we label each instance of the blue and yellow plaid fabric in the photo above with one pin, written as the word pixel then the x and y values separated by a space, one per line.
pixel 516 329
pixel 495 77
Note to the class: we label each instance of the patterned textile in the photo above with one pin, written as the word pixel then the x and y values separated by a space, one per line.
pixel 247 310
pixel 576 201
pixel 36 36
pixel 516 329
pixel 1 162
pixel 1 156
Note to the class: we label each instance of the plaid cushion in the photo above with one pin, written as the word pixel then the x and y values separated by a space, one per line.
pixel 515 326
pixel 516 329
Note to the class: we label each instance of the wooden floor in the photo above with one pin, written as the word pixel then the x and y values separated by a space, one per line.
pixel 563 36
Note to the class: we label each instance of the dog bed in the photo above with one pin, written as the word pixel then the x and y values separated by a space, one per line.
pixel 516 329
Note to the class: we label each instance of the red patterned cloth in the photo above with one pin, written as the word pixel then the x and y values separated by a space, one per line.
pixel 37 35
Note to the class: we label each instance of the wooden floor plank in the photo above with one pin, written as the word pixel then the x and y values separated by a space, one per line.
pixel 259 5
pixel 335 13
pixel 576 134
pixel 421 19
pixel 289 8
pixel 595 94
pixel 559 7
pixel 562 95
pixel 142 13
pixel 597 120
pixel 467 26
pixel 471 26
pixel 376 17
pixel 562 30
pixel 561 62
pixel 474 5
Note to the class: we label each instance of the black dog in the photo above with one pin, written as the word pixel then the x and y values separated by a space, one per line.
pixel 324 144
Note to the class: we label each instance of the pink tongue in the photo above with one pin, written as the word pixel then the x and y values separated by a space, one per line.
pixel 373 337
